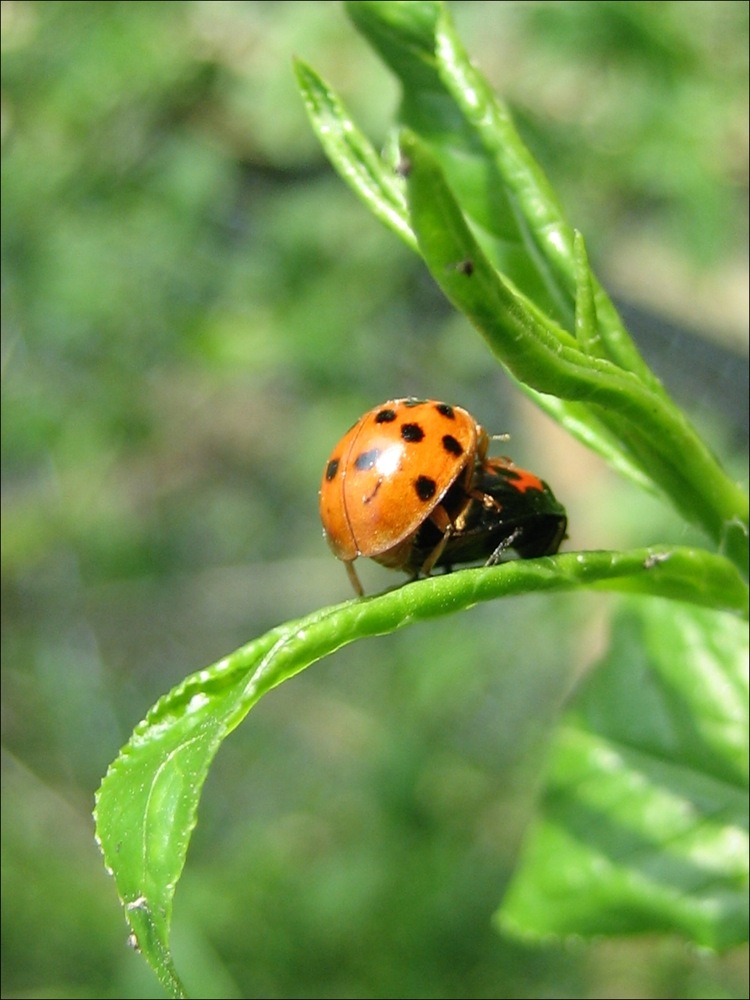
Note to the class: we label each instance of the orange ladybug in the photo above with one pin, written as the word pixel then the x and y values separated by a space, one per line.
pixel 410 486
pixel 389 473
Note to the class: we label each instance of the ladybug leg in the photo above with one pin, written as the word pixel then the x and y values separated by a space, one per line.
pixel 449 523
pixel 353 578
pixel 488 502
pixel 441 518
pixel 505 544
pixel 483 446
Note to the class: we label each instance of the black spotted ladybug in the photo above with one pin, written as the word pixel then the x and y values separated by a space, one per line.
pixel 410 486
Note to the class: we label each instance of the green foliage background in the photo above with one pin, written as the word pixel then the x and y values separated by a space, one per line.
pixel 194 309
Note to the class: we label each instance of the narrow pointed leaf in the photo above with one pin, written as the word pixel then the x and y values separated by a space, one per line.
pixel 353 156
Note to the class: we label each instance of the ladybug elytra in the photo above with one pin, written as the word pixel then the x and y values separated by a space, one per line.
pixel 410 486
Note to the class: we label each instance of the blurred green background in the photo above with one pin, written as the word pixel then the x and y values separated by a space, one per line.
pixel 194 309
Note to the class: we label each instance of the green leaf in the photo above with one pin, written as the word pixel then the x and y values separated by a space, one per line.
pixel 147 804
pixel 643 824
pixel 505 194
pixel 406 36
pixel 353 156
pixel 614 404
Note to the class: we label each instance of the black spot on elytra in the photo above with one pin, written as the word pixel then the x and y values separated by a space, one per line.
pixel 445 410
pixel 425 488
pixel 367 459
pixel 412 433
pixel 386 416
pixel 331 469
pixel 451 445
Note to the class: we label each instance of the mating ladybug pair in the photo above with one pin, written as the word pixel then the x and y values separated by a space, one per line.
pixel 410 485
